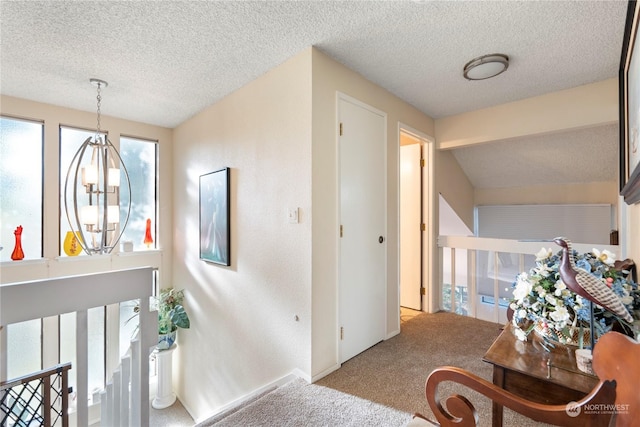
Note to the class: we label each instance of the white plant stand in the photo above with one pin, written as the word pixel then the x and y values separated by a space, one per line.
pixel 165 396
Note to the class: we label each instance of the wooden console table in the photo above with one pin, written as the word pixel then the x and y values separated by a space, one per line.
pixel 529 371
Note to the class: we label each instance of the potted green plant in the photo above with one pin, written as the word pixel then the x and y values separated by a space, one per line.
pixel 171 316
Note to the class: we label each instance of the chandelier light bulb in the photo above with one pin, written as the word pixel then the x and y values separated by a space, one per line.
pixel 89 175
pixel 114 177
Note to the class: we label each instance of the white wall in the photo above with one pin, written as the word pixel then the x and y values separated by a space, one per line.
pixel 243 334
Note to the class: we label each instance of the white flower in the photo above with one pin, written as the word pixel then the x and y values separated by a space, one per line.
pixel 543 254
pixel 543 270
pixel 561 314
pixel 522 313
pixel 605 256
pixel 540 290
pixel 560 286
pixel 520 334
pixel 626 300
pixel 522 289
pixel 551 300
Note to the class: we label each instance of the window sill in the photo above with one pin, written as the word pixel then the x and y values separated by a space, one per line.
pixel 36 269
pixel 139 253
pixel 23 262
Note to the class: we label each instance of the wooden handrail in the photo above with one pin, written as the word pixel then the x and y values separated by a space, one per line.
pixel 35 376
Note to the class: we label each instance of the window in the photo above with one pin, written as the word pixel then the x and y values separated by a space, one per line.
pixel 140 158
pixel 24 348
pixel 96 344
pixel 21 162
pixel 70 140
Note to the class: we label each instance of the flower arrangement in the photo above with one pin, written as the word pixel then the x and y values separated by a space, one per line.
pixel 171 313
pixel 542 302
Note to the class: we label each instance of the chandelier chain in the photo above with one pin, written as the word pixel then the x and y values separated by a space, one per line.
pixel 99 98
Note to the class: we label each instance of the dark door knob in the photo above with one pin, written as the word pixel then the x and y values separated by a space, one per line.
pixel 380 239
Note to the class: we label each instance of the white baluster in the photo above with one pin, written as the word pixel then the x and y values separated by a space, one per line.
pixel 136 404
pixel 117 393
pixel 126 378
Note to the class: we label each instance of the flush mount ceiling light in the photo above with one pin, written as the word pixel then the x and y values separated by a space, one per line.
pixel 486 66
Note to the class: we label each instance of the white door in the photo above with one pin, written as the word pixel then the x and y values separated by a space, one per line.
pixel 410 223
pixel 362 280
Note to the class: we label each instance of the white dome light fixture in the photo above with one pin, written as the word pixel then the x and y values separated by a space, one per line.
pixel 486 66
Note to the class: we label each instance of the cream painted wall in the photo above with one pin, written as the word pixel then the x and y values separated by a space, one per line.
pixel 243 334
pixel 580 107
pixel 591 193
pixel 633 233
pixel 454 186
pixel 328 78
pixel 54 116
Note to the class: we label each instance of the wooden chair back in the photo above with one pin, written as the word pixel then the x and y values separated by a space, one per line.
pixel 615 400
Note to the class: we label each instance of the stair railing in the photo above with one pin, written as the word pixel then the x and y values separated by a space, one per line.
pixel 482 275
pixel 41 398
pixel 51 297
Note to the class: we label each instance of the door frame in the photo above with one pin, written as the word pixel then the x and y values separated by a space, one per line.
pixel 430 301
pixel 410 209
pixel 341 96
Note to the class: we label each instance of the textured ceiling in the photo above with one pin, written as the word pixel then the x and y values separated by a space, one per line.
pixel 167 60
pixel 577 157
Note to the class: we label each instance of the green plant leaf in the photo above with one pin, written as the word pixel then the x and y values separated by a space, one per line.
pixel 179 317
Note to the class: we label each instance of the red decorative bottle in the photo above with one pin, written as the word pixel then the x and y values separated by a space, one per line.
pixel 148 240
pixel 17 253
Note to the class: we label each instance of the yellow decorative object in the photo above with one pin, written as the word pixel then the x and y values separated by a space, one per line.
pixel 71 245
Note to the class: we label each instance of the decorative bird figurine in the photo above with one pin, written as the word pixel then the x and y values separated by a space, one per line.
pixel 587 285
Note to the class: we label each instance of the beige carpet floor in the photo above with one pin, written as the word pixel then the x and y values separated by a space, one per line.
pixel 173 416
pixel 393 372
pixel 299 404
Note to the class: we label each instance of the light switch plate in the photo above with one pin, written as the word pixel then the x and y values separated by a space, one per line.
pixel 292 215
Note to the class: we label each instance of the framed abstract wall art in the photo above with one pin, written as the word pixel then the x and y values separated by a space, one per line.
pixel 629 91
pixel 215 230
